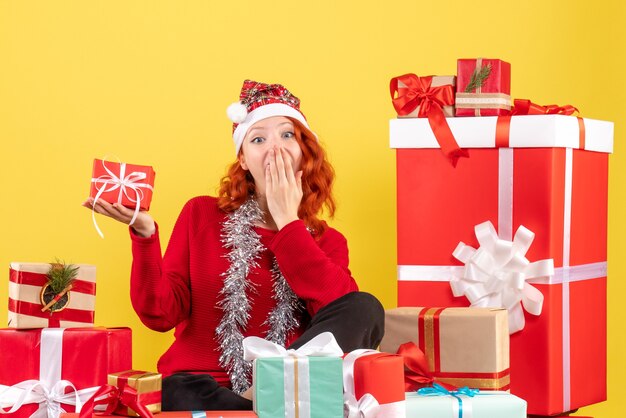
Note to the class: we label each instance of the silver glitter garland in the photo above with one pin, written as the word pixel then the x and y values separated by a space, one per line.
pixel 281 320
pixel 245 247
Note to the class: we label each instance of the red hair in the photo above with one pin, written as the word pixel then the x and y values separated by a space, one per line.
pixel 317 181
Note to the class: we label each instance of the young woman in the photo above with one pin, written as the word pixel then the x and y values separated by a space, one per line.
pixel 256 260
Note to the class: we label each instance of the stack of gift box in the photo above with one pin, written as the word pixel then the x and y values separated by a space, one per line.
pixel 54 363
pixel 503 205
pixel 53 360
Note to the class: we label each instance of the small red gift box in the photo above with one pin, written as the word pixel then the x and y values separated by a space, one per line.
pixel 26 286
pixel 370 373
pixel 483 87
pixel 58 361
pixel 128 184
pixel 550 176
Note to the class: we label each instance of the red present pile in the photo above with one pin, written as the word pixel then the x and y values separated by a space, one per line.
pixel 538 172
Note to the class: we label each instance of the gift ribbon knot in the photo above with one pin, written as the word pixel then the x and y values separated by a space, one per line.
pixel 48 397
pixel 323 345
pixel 419 92
pixel 496 274
pixel 111 396
pixel 438 390
pixel 125 183
pixel 417 374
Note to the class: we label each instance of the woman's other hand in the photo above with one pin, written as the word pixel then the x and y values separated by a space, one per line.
pixel 144 224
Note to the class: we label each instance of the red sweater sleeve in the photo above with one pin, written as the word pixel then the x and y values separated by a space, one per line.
pixel 317 271
pixel 159 287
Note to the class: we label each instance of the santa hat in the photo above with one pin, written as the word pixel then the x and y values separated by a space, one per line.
pixel 259 101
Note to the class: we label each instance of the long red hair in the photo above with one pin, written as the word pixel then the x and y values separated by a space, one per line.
pixel 317 181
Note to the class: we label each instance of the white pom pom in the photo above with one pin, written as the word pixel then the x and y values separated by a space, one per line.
pixel 237 112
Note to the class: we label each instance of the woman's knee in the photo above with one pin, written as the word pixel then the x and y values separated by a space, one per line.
pixel 363 306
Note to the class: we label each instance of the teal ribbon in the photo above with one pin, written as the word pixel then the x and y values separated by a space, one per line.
pixel 438 390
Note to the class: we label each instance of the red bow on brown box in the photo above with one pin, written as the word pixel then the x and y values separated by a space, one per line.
pixel 416 372
pixel 130 393
pixel 419 92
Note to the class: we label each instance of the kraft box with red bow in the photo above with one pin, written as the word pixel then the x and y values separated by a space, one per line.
pixel 483 87
pixel 130 393
pixel 451 346
pixel 413 96
pixel 44 372
pixel 373 384
pixel 27 303
pixel 523 219
pixel 146 390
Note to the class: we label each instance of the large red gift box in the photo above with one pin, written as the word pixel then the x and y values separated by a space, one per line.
pixel 492 97
pixel 377 376
pixel 52 360
pixel 26 281
pixel 552 178
pixel 128 184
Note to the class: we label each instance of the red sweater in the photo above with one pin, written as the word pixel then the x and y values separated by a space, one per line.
pixel 181 289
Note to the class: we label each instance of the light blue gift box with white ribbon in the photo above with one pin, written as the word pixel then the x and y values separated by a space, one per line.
pixel 438 402
pixel 303 383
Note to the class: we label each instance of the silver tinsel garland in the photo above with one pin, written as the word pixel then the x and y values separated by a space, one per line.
pixel 245 247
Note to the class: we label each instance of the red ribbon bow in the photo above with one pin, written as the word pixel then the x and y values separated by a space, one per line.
pixel 526 107
pixel 419 92
pixel 416 372
pixel 112 396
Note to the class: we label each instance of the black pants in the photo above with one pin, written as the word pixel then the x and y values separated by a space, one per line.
pixel 357 320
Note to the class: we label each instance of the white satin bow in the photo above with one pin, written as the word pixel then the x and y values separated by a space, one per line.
pixel 323 345
pixel 48 398
pixel 124 182
pixel 367 406
pixel 496 274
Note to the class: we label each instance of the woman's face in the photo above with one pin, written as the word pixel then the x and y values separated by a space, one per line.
pixel 272 133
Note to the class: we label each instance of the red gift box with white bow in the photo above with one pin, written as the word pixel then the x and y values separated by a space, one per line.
pixel 58 368
pixel 130 185
pixel 373 385
pixel 547 174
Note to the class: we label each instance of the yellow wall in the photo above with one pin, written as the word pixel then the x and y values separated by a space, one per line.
pixel 149 81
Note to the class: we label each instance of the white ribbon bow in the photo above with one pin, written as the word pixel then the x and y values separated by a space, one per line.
pixel 113 182
pixel 496 274
pixel 323 345
pixel 367 406
pixel 48 398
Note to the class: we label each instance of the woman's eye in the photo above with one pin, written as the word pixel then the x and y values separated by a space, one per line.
pixel 288 135
pixel 257 140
